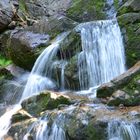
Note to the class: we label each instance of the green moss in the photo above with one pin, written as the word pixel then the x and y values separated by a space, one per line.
pixel 22 6
pixel 83 10
pixel 37 104
pixel 4 61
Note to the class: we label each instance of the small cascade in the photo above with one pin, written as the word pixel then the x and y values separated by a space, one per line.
pixel 46 130
pixel 38 80
pixel 41 74
pixel 102 57
pixel 118 130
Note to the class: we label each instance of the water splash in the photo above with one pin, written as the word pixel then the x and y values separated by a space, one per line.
pixel 102 57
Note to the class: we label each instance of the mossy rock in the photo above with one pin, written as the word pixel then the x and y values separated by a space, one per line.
pixel 37 104
pixel 130 25
pixel 83 10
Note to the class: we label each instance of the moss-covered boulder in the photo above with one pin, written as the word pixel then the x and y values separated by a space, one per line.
pixel 44 101
pixel 83 10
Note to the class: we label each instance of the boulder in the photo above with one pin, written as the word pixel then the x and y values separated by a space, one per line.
pixel 24 47
pixel 6 14
pixel 44 101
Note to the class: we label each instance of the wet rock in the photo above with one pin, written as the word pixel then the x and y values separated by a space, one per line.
pixel 120 82
pixel 6 14
pixel 124 89
pixel 45 101
pixel 86 122
pixel 23 47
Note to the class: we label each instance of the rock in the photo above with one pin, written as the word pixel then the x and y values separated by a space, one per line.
pixel 52 26
pixel 124 89
pixel 86 122
pixel 23 47
pixel 129 19
pixel 120 82
pixel 82 10
pixel 129 6
pixel 39 8
pixel 6 14
pixel 44 101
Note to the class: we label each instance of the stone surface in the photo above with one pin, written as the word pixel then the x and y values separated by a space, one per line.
pixel 79 122
pixel 129 20
pixel 23 47
pixel 44 101
pixel 6 14
pixel 124 89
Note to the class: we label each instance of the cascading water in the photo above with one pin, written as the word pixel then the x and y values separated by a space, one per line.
pixel 37 81
pixel 41 73
pixel 102 57
pixel 118 130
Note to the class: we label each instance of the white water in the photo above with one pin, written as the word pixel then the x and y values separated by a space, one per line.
pixel 118 130
pixel 46 131
pixel 37 81
pixel 102 57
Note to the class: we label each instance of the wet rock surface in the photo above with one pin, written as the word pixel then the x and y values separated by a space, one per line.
pixel 124 89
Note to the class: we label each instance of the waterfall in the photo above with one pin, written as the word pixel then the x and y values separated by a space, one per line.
pixel 102 57
pixel 118 130
pixel 46 130
pixel 38 80
pixel 41 74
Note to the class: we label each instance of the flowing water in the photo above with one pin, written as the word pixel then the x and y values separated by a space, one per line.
pixel 120 130
pixel 37 81
pixel 102 57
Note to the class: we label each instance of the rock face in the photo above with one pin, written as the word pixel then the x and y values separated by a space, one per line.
pixel 124 89
pixel 129 20
pixel 6 14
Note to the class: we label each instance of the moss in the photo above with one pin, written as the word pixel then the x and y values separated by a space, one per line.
pixel 131 23
pixel 37 104
pixel 22 6
pixel 4 61
pixel 83 10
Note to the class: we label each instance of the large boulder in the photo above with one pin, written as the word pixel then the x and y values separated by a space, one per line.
pixel 125 89
pixel 23 47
